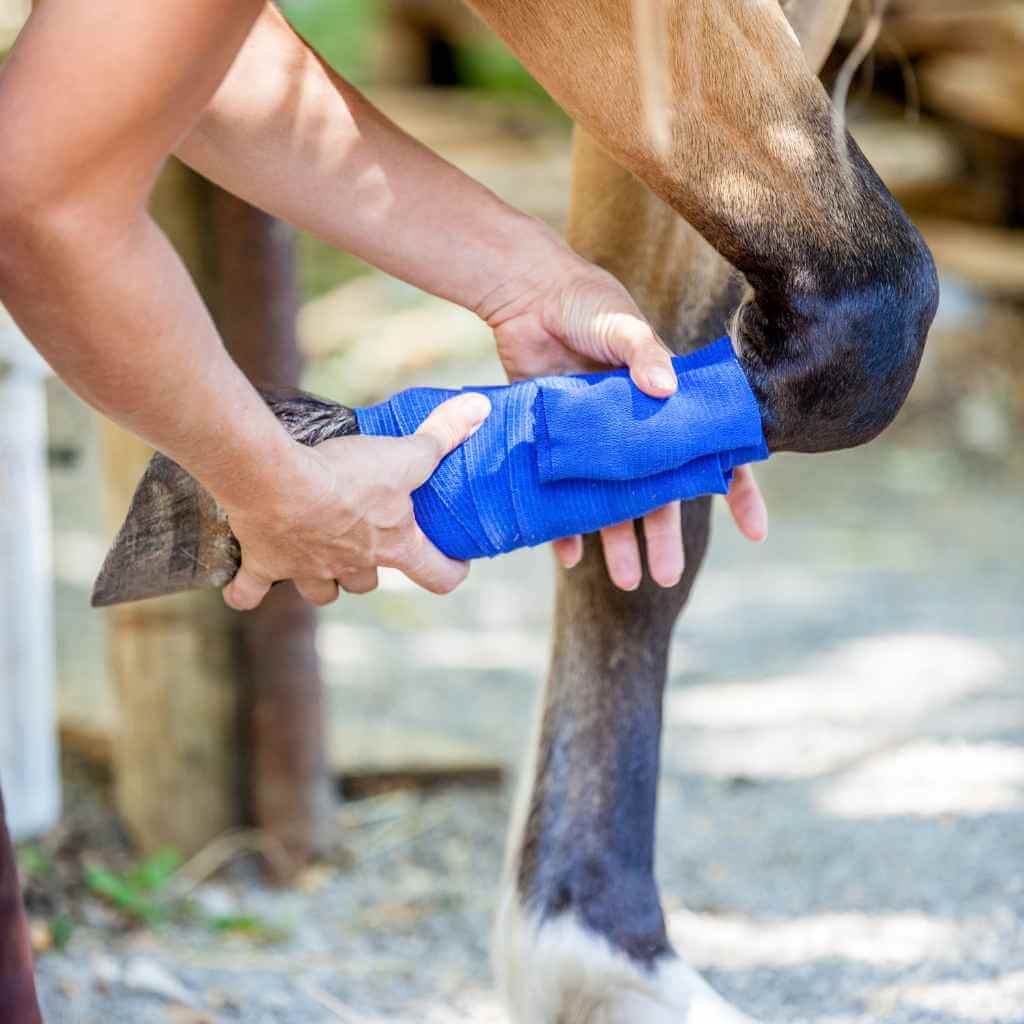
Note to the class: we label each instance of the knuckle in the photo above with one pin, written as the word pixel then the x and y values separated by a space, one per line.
pixel 432 437
pixel 405 549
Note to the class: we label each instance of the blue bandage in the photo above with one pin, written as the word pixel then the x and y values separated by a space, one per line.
pixel 564 455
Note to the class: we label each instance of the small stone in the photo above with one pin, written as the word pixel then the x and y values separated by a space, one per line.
pixel 314 878
pixel 222 1000
pixel 216 901
pixel 143 975
pixel 106 971
pixel 189 1015
pixel 40 937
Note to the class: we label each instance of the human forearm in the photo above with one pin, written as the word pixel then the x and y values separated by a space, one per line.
pixel 289 135
pixel 83 132
pixel 113 310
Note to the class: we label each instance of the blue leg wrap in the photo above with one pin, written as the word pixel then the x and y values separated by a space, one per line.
pixel 566 455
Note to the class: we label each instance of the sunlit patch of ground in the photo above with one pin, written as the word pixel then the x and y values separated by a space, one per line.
pixel 842 807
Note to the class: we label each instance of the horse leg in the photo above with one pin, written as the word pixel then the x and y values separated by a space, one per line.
pixel 842 289
pixel 18 1003
pixel 580 936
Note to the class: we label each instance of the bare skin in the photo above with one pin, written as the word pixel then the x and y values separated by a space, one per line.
pixel 238 95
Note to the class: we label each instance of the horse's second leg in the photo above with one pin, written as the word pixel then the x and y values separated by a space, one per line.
pixel 581 937
pixel 18 1003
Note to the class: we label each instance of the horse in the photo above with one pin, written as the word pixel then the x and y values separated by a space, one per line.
pixel 713 177
pixel 750 206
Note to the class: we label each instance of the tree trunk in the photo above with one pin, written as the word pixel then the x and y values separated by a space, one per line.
pixel 283 694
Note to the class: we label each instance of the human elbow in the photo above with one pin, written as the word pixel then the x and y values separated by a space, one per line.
pixel 40 226
pixel 27 221
pixel 832 366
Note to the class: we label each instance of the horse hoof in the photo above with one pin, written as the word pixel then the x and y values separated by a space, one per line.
pixel 556 971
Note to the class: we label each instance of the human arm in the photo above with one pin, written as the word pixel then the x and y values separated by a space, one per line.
pixel 292 136
pixel 92 98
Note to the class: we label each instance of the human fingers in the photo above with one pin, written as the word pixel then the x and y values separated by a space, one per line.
pixel 634 344
pixel 425 565
pixel 622 555
pixel 359 580
pixel 246 590
pixel 442 431
pixel 747 504
pixel 663 532
pixel 317 591
pixel 568 551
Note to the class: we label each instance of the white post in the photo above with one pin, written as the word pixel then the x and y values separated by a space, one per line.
pixel 12 16
pixel 28 723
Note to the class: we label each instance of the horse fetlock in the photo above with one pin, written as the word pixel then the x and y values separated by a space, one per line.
pixel 832 363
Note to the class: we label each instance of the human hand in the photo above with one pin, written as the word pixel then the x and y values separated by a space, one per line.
pixel 344 509
pixel 566 315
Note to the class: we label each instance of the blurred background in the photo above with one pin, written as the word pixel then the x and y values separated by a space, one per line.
pixel 267 819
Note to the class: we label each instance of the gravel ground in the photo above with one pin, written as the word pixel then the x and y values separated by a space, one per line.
pixel 842 806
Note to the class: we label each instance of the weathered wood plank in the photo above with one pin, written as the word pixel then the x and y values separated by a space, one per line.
pixel 983 90
pixel 282 694
pixel 177 757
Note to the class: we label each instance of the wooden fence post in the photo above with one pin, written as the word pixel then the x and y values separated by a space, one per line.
pixel 283 701
pixel 221 713
pixel 177 755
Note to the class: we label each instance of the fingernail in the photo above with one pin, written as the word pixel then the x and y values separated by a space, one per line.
pixel 477 406
pixel 662 379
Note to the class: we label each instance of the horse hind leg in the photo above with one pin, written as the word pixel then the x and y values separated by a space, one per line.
pixel 581 937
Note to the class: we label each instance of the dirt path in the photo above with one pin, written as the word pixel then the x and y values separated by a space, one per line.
pixel 842 811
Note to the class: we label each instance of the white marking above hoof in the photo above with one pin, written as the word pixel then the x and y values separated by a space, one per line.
pixel 557 972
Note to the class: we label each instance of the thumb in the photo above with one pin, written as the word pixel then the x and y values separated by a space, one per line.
pixel 442 432
pixel 649 361
pixel 246 590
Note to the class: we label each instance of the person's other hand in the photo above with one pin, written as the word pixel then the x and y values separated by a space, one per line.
pixel 346 510
pixel 566 315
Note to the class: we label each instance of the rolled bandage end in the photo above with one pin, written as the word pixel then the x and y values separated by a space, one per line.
pixel 565 455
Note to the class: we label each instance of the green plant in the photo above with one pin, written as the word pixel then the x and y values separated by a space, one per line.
pixel 61 929
pixel 490 66
pixel 140 892
pixel 341 30
pixel 34 862
pixel 252 927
